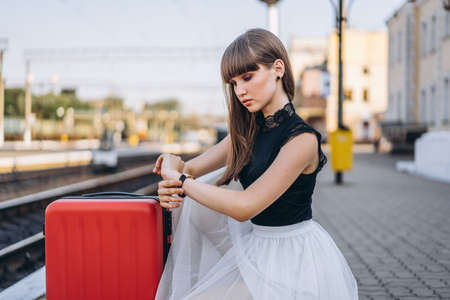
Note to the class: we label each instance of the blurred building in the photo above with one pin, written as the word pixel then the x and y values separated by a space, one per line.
pixel 364 55
pixel 308 59
pixel 306 52
pixel 419 86
pixel 419 66
pixel 312 89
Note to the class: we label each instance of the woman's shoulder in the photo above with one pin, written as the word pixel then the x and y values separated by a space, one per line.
pixel 296 126
pixel 296 120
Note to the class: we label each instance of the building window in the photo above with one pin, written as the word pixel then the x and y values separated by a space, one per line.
pixel 391 48
pixel 348 94
pixel 365 95
pixel 423 42
pixel 447 100
pixel 365 70
pixel 390 108
pixel 423 107
pixel 399 47
pixel 447 23
pixel 433 34
pixel 432 105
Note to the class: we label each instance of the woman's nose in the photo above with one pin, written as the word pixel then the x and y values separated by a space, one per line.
pixel 240 91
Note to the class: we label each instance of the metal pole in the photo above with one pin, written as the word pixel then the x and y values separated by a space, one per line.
pixel 273 19
pixel 339 175
pixel 273 15
pixel 2 102
pixel 340 79
pixel 27 135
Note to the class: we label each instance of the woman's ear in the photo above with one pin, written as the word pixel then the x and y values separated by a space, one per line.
pixel 278 67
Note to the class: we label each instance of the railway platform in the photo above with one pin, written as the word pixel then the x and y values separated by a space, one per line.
pixel 392 227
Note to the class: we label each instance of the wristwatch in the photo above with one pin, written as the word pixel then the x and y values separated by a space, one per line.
pixel 182 179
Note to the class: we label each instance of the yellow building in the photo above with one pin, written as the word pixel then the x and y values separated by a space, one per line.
pixel 365 82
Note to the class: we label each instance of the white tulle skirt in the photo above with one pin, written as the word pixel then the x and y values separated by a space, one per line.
pixel 215 257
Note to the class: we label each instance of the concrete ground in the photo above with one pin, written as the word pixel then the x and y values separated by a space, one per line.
pixel 393 228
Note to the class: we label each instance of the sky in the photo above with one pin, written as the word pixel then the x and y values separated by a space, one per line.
pixel 157 24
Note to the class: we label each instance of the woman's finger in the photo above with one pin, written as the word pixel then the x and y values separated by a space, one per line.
pixel 159 163
pixel 157 168
pixel 170 191
pixel 176 199
pixel 170 205
pixel 172 199
pixel 169 183
pixel 166 199
pixel 169 197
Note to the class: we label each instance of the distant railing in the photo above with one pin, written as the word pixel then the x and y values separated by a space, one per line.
pixel 44 161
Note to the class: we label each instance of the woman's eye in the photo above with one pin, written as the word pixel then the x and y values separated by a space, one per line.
pixel 247 78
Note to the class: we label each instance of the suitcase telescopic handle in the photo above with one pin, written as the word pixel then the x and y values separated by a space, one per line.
pixel 113 194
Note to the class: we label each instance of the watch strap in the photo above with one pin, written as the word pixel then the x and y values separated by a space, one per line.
pixel 182 179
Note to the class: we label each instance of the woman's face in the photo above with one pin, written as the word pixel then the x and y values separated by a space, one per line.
pixel 255 89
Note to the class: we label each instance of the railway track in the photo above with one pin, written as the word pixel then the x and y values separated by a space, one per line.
pixel 16 184
pixel 22 219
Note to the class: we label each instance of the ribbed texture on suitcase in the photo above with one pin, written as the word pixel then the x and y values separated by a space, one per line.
pixel 103 249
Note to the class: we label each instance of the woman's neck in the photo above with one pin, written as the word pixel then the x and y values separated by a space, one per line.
pixel 277 102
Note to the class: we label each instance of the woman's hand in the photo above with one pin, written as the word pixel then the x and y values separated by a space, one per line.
pixel 168 162
pixel 167 192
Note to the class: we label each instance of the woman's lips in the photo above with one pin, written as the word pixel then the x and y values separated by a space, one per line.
pixel 246 102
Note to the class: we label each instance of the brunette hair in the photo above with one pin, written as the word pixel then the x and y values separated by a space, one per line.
pixel 256 46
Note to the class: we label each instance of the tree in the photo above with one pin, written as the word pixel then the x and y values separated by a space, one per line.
pixel 168 104
pixel 14 102
pixel 43 106
pixel 113 103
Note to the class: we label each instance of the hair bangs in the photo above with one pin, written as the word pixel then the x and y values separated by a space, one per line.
pixel 237 59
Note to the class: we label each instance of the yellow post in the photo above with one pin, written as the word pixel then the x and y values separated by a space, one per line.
pixel 133 140
pixel 341 142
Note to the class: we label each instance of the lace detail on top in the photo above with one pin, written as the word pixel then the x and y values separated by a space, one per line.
pixel 276 119
pixel 301 128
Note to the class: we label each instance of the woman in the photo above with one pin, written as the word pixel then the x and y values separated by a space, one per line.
pixel 246 228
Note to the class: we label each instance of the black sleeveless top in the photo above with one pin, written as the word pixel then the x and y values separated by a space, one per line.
pixel 274 131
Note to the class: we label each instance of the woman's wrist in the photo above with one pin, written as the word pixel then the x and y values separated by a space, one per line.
pixel 171 175
pixel 187 168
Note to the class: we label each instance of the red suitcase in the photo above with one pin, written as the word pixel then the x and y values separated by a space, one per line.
pixel 105 246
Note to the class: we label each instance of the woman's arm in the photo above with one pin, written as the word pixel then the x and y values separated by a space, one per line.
pixel 293 158
pixel 212 159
